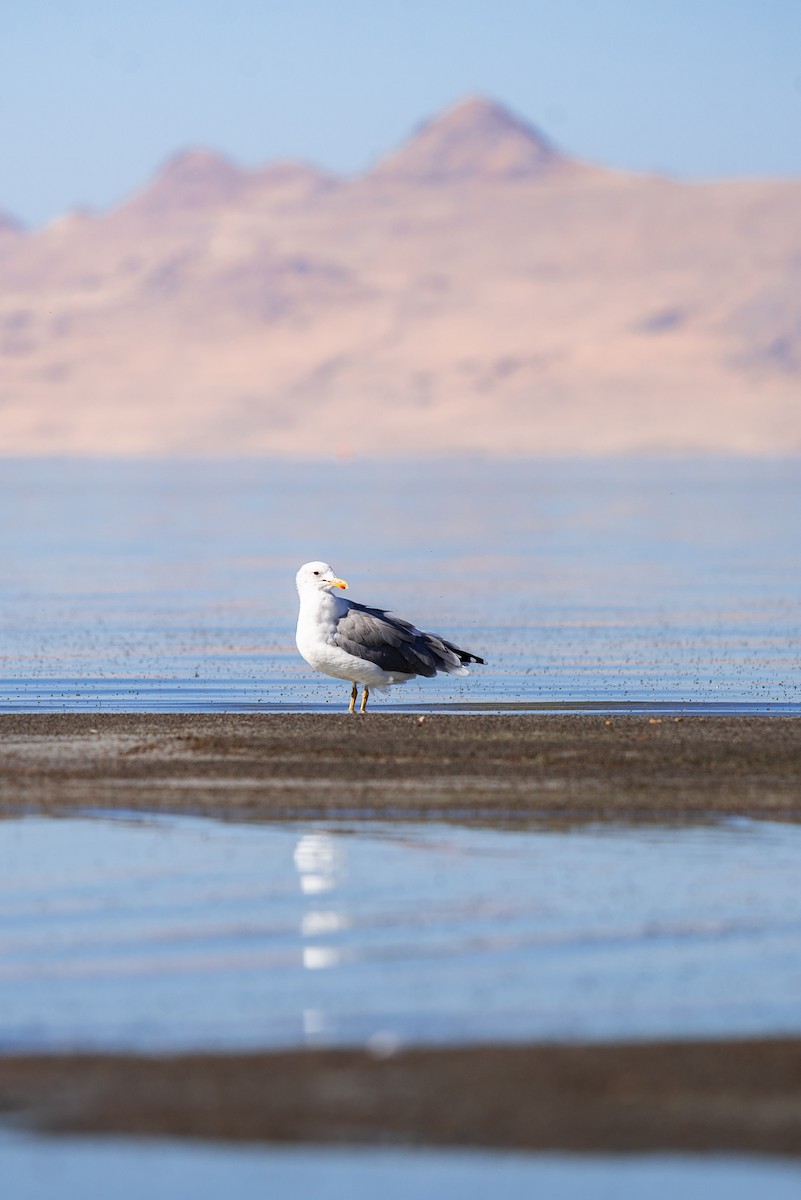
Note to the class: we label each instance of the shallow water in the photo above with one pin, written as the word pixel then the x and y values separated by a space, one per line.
pixel 41 1168
pixel 179 933
pixel 170 585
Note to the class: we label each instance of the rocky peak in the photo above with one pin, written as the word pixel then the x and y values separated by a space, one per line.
pixel 474 138
pixel 192 179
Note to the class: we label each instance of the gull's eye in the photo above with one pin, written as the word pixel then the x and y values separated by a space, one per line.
pixel 317 572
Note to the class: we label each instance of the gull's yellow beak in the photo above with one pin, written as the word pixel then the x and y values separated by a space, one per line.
pixel 337 582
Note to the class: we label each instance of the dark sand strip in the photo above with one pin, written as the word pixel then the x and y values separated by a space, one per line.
pixel 401 766
pixel 740 1096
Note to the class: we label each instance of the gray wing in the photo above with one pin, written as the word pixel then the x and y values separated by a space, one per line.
pixel 395 645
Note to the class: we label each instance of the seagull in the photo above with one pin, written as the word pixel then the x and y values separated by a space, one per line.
pixel 365 645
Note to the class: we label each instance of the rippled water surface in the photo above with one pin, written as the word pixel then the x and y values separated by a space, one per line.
pixel 181 933
pixel 170 585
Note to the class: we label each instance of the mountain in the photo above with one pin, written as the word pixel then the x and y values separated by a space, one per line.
pixel 477 290
pixel 475 139
pixel 9 226
pixel 193 179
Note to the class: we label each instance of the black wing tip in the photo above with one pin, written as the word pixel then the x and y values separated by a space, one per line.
pixel 466 657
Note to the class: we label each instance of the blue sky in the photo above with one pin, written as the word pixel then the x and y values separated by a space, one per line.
pixel 95 95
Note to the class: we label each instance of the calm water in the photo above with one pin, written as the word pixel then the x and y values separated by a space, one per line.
pixel 179 933
pixel 41 1169
pixel 171 585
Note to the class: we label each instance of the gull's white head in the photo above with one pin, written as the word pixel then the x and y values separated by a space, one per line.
pixel 317 576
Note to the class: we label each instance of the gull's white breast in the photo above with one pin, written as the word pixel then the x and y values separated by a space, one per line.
pixel 319 613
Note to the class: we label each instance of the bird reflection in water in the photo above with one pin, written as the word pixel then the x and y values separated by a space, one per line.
pixel 319 860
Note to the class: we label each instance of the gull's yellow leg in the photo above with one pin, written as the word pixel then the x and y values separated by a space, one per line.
pixel 365 694
pixel 353 699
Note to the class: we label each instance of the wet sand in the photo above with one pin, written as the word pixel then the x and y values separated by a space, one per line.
pixel 740 1097
pixel 506 767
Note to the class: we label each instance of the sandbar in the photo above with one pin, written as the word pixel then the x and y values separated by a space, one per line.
pixel 479 767
pixel 707 1096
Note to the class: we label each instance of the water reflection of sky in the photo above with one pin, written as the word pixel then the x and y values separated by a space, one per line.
pixel 181 933
pixel 161 1170
pixel 172 584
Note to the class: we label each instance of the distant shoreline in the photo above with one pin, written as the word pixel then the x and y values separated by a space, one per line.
pixel 473 768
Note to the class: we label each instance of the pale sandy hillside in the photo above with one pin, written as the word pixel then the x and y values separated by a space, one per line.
pixel 475 291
